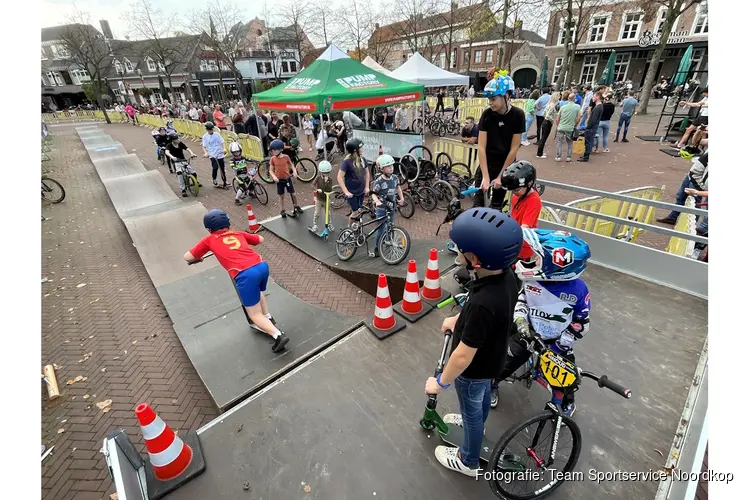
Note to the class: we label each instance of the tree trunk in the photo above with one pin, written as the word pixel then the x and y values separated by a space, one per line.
pixel 564 77
pixel 501 48
pixel 100 101
pixel 653 67
pixel 171 88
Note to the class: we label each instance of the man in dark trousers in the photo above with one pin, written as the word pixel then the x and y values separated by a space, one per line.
pixel 592 125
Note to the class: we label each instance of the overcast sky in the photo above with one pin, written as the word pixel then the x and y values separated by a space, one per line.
pixel 55 12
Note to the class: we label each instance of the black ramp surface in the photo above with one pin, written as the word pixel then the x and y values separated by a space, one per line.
pixel 671 152
pixel 650 138
pixel 347 425
pixel 294 231
pixel 231 358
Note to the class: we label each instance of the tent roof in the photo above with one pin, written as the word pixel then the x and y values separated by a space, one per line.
pixel 336 82
pixel 373 64
pixel 419 70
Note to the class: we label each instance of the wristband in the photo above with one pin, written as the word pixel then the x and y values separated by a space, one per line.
pixel 440 383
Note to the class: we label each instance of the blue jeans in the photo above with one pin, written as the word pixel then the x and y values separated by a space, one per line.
pixel 474 403
pixel 584 118
pixel 529 121
pixel 380 212
pixel 624 120
pixel 604 133
pixel 681 197
pixel 703 226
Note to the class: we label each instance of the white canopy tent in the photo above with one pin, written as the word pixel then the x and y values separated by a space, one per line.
pixel 419 70
pixel 373 64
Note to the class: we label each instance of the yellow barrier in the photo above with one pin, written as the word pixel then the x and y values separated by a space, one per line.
pixel 252 148
pixel 458 151
pixel 685 224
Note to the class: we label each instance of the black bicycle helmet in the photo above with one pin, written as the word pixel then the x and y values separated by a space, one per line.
pixel 353 145
pixel 519 174
pixel 173 136
pixel 209 125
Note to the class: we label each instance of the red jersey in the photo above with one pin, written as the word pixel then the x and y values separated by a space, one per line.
pixel 231 248
pixel 526 213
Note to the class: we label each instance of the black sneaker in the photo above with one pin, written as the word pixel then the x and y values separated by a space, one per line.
pixel 297 210
pixel 625 140
pixel 283 214
pixel 184 193
pixel 616 140
pixel 279 343
pixel 237 202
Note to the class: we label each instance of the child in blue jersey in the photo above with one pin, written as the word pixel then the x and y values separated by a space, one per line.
pixel 554 301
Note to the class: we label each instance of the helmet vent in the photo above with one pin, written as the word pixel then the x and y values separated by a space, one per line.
pixel 491 219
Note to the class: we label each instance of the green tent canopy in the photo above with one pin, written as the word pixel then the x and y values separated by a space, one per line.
pixel 336 82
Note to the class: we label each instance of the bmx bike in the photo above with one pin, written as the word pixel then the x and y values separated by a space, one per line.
pixel 393 246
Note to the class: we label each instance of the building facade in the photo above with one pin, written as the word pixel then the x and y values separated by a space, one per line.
pixel 624 26
pixel 61 77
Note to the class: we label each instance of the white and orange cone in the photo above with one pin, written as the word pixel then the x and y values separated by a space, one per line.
pixel 431 290
pixel 384 321
pixel 411 303
pixel 168 454
pixel 252 222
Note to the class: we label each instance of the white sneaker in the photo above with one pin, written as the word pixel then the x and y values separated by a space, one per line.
pixel 457 419
pixel 542 156
pixel 557 158
pixel 314 228
pixel 448 458
pixel 525 143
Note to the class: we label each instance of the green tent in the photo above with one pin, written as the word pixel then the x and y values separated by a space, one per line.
pixel 608 75
pixel 336 82
pixel 684 68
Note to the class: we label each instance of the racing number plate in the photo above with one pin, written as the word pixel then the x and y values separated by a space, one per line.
pixel 557 371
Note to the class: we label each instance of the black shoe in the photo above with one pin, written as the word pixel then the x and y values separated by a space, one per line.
pixel 625 140
pixel 616 140
pixel 494 397
pixel 297 210
pixel 279 343
pixel 237 202
pixel 216 184
pixel 666 220
pixel 225 186
pixel 582 159
pixel 184 193
pixel 283 214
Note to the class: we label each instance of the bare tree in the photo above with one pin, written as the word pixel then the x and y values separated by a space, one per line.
pixel 296 16
pixel 359 22
pixel 449 23
pixel 414 15
pixel 382 41
pixel 483 20
pixel 88 50
pixel 168 50
pixel 322 23
pixel 578 16
pixel 674 8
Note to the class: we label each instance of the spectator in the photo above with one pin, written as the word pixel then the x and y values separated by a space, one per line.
pixel 205 114
pixel 402 119
pixel 307 127
pixel 550 112
pixel 628 110
pixel 608 109
pixel 578 99
pixel 351 121
pixel 592 126
pixel 529 113
pixel 455 106
pixel 219 118
pixel 697 179
pixel 471 92
pixel 585 106
pixel 440 104
pixel 256 125
pixel 539 107
pixel 273 126
pixel 700 123
pixel 389 118
pixel 470 135
pixel 567 121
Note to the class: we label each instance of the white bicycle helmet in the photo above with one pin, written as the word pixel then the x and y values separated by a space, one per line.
pixel 235 148
pixel 324 167
pixel 385 161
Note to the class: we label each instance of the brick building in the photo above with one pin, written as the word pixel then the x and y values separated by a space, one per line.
pixel 625 27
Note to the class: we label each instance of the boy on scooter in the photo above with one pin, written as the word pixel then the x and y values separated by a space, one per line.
pixel 488 243
pixel 246 267
pixel 323 184
pixel 283 171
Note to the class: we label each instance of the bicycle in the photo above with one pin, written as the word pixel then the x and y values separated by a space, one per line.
pixel 52 191
pixel 451 181
pixel 393 246
pixel 245 181
pixel 421 195
pixel 307 169
pixel 187 174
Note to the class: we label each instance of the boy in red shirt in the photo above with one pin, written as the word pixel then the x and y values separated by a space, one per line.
pixel 525 204
pixel 283 171
pixel 247 269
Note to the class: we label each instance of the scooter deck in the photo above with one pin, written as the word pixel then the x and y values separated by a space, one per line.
pixel 455 437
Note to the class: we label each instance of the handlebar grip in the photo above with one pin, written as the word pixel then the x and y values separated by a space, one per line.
pixel 470 191
pixel 614 387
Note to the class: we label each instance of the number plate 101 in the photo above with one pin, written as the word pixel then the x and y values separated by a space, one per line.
pixel 557 371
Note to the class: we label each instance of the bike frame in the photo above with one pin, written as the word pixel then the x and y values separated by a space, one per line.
pixel 383 219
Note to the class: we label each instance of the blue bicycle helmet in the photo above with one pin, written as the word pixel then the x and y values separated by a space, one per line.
pixel 558 256
pixel 215 219
pixel 499 86
pixel 494 237
pixel 277 144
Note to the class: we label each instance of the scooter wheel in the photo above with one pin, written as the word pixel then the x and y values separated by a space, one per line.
pixel 427 425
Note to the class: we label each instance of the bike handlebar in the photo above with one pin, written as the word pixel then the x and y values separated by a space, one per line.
pixel 603 381
pixel 209 254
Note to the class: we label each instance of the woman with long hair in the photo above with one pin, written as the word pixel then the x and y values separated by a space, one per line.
pixel 550 112
pixel 354 176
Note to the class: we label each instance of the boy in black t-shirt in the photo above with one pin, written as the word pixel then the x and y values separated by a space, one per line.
pixel 500 129
pixel 488 242
pixel 175 150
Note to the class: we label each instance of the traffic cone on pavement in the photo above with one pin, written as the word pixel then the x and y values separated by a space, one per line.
pixel 411 306
pixel 252 223
pixel 384 323
pixel 431 290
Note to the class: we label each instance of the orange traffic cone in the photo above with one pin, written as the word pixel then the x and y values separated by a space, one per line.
pixel 411 306
pixel 431 290
pixel 171 461
pixel 252 223
pixel 384 323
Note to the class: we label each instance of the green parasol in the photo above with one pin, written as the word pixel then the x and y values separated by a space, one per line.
pixel 336 82
pixel 608 75
pixel 543 74
pixel 684 68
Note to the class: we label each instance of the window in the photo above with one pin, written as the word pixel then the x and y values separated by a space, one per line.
pixel 598 29
pixel 151 65
pixel 588 70
pixel 204 65
pixel 557 69
pixel 466 57
pixel 161 65
pixel 260 32
pixel 60 52
pixel 442 59
pixel 561 31
pixel 661 19
pixel 268 67
pixel 477 56
pixel 212 65
pixel 128 66
pixel 696 62
pixel 622 62
pixel 118 67
pixel 44 55
pixel 489 54
pixel 631 25
pixel 293 66
pixel 701 19
pixel 78 76
pixel 284 67
pixel 259 67
pixel 59 79
pixel 224 66
pixel 51 79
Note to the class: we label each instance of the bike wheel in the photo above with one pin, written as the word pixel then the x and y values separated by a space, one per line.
pixel 427 170
pixel 235 185
pixel 443 161
pixel 416 126
pixel 459 173
pixel 307 169
pixel 427 198
pixel 444 193
pixel 52 191
pixel 421 152
pixel 346 244
pixel 454 127
pixel 260 193
pixel 338 199
pixel 435 128
pixel 394 246
pixel 540 189
pixel 264 172
pixel 162 158
pixel 191 184
pixel 409 168
pixel 519 460
pixel 407 211
pixel 442 130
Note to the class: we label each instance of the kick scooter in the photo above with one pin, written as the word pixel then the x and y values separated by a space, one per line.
pixel 328 227
pixel 451 434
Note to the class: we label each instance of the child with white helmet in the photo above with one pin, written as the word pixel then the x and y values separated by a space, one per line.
pixel 239 165
pixel 385 189
pixel 323 184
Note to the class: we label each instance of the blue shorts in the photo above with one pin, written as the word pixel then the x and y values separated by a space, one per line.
pixel 284 184
pixel 356 201
pixel 251 282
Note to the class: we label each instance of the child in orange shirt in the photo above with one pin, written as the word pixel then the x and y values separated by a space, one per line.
pixel 525 203
pixel 283 171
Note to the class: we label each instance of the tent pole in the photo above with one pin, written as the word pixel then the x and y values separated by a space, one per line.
pixel 322 128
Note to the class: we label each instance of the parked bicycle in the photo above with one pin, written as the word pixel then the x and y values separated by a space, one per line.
pixel 393 246
pixel 52 191
pixel 420 194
